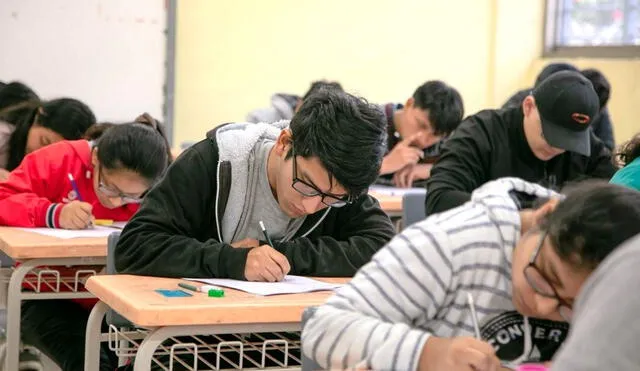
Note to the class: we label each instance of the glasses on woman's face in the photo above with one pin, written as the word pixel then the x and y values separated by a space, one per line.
pixel 309 190
pixel 110 192
pixel 540 283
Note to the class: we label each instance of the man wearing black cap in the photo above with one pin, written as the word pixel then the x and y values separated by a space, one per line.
pixel 545 140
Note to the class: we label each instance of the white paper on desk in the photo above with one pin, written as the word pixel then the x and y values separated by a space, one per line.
pixel 290 285
pixel 95 231
pixel 394 191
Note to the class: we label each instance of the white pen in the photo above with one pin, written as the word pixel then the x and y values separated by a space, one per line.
pixel 474 315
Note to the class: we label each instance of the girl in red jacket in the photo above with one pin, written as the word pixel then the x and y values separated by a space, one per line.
pixel 111 175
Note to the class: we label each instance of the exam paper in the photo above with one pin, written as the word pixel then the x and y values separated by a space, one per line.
pixel 290 285
pixel 394 191
pixel 95 231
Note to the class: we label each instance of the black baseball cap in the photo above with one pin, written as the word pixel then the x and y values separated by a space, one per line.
pixel 567 104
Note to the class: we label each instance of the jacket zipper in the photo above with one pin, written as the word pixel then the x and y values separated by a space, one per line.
pixel 217 212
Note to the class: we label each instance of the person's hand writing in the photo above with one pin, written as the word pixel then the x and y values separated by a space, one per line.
pixel 4 175
pixel 403 154
pixel 246 243
pixel 76 215
pixel 458 354
pixel 264 263
pixel 404 178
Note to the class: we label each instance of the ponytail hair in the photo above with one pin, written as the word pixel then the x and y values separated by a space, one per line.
pixel 628 152
pixel 96 131
pixel 134 147
pixel 147 119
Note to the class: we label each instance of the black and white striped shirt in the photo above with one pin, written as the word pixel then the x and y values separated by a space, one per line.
pixel 417 285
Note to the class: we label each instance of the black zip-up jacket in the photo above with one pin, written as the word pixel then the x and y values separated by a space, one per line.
pixel 176 232
pixel 492 144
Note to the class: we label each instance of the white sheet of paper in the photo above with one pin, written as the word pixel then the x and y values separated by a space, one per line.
pixel 96 231
pixel 290 285
pixel 393 191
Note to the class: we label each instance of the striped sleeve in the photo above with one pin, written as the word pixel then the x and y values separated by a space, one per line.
pixel 371 319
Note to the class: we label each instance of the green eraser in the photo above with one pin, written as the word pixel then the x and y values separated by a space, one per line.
pixel 213 293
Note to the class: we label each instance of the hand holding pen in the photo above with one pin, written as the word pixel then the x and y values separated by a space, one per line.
pixel 76 214
pixel 462 353
pixel 265 263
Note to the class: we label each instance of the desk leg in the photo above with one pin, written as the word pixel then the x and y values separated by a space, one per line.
pixel 148 347
pixel 14 302
pixel 93 337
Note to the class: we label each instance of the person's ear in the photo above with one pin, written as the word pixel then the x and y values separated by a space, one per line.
pixel 410 102
pixel 544 210
pixel 283 143
pixel 94 157
pixel 528 105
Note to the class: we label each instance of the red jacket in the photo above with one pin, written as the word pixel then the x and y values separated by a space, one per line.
pixel 35 191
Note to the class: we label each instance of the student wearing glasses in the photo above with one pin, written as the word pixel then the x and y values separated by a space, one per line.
pixel 66 185
pixel 522 266
pixel 69 183
pixel 306 180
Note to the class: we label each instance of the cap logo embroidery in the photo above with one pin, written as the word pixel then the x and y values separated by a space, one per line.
pixel 580 118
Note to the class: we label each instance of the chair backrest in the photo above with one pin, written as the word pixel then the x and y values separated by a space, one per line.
pixel 112 317
pixel 413 208
pixel 112 241
pixel 308 364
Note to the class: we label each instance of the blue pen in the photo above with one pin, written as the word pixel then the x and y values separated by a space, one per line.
pixel 75 187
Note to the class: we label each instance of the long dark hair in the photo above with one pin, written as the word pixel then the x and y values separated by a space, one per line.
pixel 15 93
pixel 66 116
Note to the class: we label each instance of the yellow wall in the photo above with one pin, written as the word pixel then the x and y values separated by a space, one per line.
pixel 233 54
pixel 623 74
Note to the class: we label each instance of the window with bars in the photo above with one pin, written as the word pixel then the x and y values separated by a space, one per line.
pixel 603 28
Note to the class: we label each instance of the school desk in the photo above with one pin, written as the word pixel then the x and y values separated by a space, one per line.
pixel 134 298
pixel 33 250
pixel 391 204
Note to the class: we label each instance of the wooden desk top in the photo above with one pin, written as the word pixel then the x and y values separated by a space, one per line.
pixel 20 245
pixel 390 204
pixel 134 298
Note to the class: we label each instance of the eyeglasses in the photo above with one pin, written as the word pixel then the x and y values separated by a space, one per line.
pixel 540 283
pixel 309 190
pixel 109 192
